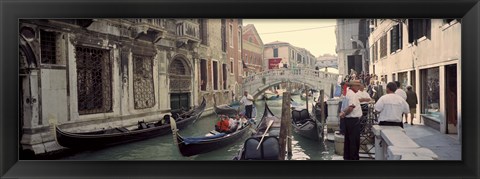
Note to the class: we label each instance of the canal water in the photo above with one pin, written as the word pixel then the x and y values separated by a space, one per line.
pixel 163 148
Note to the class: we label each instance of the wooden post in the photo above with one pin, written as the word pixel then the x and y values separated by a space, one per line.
pixel 285 125
pixel 322 107
pixel 306 96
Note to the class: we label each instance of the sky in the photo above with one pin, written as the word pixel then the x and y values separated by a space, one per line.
pixel 315 35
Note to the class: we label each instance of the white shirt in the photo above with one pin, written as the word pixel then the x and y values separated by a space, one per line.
pixel 391 107
pixel 353 99
pixel 362 94
pixel 232 123
pixel 245 100
pixel 401 93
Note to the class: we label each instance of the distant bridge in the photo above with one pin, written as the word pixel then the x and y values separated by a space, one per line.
pixel 256 84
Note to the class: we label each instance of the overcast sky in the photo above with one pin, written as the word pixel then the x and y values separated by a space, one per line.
pixel 315 35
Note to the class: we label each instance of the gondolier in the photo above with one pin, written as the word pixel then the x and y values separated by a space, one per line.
pixel 247 100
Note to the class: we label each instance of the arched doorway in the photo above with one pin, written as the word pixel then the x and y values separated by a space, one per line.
pixel 27 96
pixel 180 75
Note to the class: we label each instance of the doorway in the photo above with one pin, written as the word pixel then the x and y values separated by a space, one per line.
pixel 451 98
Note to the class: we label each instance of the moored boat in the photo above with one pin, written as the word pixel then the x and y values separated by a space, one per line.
pixel 304 124
pixel 119 135
pixel 224 109
pixel 256 148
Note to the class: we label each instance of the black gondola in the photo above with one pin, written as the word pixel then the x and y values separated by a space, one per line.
pixel 224 109
pixel 114 136
pixel 304 124
pixel 189 146
pixel 254 148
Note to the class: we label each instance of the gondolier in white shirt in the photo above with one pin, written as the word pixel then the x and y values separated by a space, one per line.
pixel 247 100
pixel 351 116
pixel 391 107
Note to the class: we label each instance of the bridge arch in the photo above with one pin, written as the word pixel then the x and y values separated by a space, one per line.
pixel 256 84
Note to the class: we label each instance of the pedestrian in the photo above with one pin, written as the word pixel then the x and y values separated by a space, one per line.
pixel 412 103
pixel 352 116
pixel 247 100
pixel 391 107
pixel 402 94
pixel 400 91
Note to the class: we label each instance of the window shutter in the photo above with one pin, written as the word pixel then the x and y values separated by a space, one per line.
pixel 411 32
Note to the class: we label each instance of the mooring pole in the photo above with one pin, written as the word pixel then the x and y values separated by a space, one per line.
pixel 322 107
pixel 285 126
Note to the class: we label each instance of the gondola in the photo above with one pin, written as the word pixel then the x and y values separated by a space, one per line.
pixel 224 109
pixel 304 124
pixel 254 148
pixel 189 146
pixel 119 135
pixel 271 96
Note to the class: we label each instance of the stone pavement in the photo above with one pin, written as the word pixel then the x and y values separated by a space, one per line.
pixel 447 147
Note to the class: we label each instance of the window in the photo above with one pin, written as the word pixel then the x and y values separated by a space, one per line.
pixel 215 75
pixel 246 58
pixel 224 70
pixel 275 52
pixel 203 75
pixel 94 76
pixel 250 39
pixel 48 42
pixel 203 31
pixel 143 90
pixel 396 38
pixel 230 34
pixel 383 46
pixel 231 66
pixel 224 36
pixel 430 94
pixel 417 28
pixel 239 39
pixel 354 45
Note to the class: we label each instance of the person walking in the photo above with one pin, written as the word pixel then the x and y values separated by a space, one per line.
pixel 400 91
pixel 351 116
pixel 391 107
pixel 412 103
pixel 247 100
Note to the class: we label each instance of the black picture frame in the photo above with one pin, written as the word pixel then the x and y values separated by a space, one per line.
pixel 11 11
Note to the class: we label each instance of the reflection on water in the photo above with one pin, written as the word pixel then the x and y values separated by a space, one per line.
pixel 162 148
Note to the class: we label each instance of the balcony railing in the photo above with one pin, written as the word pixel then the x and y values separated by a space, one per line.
pixel 159 23
pixel 188 29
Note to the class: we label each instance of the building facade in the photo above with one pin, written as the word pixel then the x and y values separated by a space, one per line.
pixel 327 60
pixel 352 37
pixel 252 50
pixel 282 54
pixel 89 74
pixel 426 54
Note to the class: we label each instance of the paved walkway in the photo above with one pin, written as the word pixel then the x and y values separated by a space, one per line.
pixel 447 147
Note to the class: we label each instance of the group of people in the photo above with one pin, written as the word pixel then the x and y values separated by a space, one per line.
pixel 229 125
pixel 391 108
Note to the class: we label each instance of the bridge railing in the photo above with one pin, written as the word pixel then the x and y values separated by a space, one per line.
pixel 290 73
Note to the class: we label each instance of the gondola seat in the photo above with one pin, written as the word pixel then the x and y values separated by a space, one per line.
pixel 300 117
pixel 269 149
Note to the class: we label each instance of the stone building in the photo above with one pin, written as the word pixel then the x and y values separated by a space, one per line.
pixel 327 60
pixel 351 49
pixel 426 54
pixel 288 55
pixel 89 74
pixel 252 50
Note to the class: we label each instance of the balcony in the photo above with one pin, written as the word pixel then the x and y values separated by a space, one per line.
pixel 187 32
pixel 149 29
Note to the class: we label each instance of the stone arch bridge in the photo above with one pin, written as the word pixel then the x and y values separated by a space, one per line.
pixel 256 84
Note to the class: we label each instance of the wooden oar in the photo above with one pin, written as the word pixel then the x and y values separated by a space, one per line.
pixel 265 133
